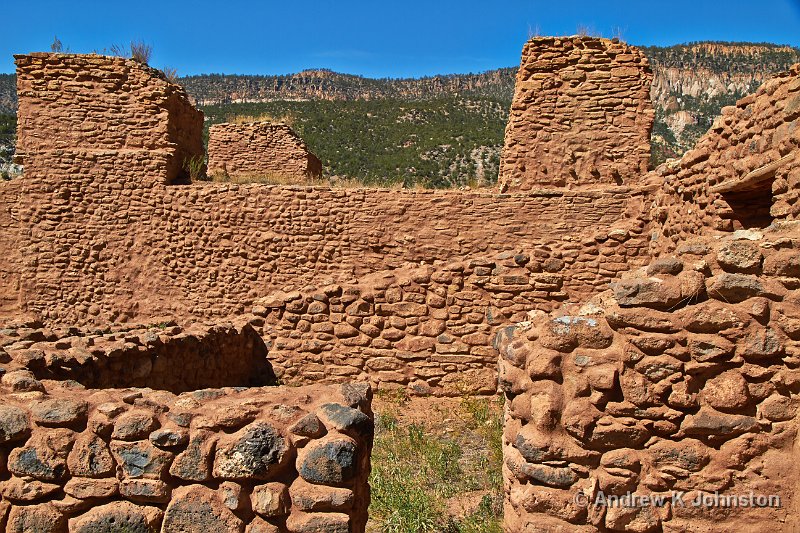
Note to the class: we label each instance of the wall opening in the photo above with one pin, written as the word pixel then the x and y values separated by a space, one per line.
pixel 751 207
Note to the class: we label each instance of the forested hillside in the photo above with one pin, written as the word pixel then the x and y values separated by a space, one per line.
pixel 446 131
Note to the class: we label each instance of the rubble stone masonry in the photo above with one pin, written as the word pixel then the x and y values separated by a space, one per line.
pixel 683 378
pixel 581 115
pixel 260 149
pixel 258 460
pixel 107 119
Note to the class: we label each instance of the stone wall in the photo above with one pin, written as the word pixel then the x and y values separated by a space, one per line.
pixel 263 460
pixel 165 356
pixel 581 115
pixel 685 377
pixel 108 119
pixel 102 252
pixel 260 149
pixel 744 173
pixel 429 328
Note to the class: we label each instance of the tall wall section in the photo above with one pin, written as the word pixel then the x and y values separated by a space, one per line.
pixel 682 381
pixel 581 115
pixel 121 253
pixel 110 118
pixel 260 149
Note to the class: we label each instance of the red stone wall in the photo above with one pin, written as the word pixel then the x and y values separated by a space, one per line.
pixel 581 115
pixel 683 378
pixel 218 460
pixel 260 149
pixel 746 163
pixel 77 112
pixel 211 250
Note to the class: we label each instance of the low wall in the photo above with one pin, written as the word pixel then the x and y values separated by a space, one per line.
pixel 429 328
pixel 166 357
pixel 260 149
pixel 681 380
pixel 216 460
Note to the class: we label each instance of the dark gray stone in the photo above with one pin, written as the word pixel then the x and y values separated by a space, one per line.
pixel 329 462
pixel 346 419
pixel 255 451
pixel 13 423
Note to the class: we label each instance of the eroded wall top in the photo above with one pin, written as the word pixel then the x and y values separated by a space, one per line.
pixel 271 150
pixel 109 109
pixel 581 115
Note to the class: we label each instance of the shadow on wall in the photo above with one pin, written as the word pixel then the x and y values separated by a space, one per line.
pixel 165 358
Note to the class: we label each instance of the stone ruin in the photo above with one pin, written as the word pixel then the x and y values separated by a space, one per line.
pixel 261 149
pixel 581 116
pixel 646 322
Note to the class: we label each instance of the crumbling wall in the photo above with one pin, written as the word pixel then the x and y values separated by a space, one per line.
pixel 581 115
pixel 109 120
pixel 270 150
pixel 682 379
pixel 166 356
pixel 227 460
pixel 744 173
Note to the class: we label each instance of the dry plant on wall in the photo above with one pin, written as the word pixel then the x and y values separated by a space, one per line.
pixel 171 74
pixel 138 51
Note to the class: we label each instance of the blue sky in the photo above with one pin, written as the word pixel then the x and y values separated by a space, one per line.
pixel 383 38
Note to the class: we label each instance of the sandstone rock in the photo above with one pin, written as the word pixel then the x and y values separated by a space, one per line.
pixel 116 517
pixel 778 408
pixel 42 518
pixel 328 461
pixel 140 459
pixel 688 454
pixel 259 525
pixel 21 381
pixel 43 457
pixel 740 256
pixel 710 423
pixel 144 490
pixel 196 508
pixel 256 451
pixel 548 475
pixel 783 263
pixel 26 489
pixel 665 266
pixel 86 488
pixel 134 425
pixel 760 344
pixel 194 463
pixel 271 499
pixel 727 392
pixel 169 438
pixel 655 293
pixel 90 457
pixel 309 497
pixel 231 495
pixel 734 288
pixel 318 523
pixel 632 519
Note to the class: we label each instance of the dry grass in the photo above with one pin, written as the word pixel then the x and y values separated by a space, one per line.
pixel 287 119
pixel 436 465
